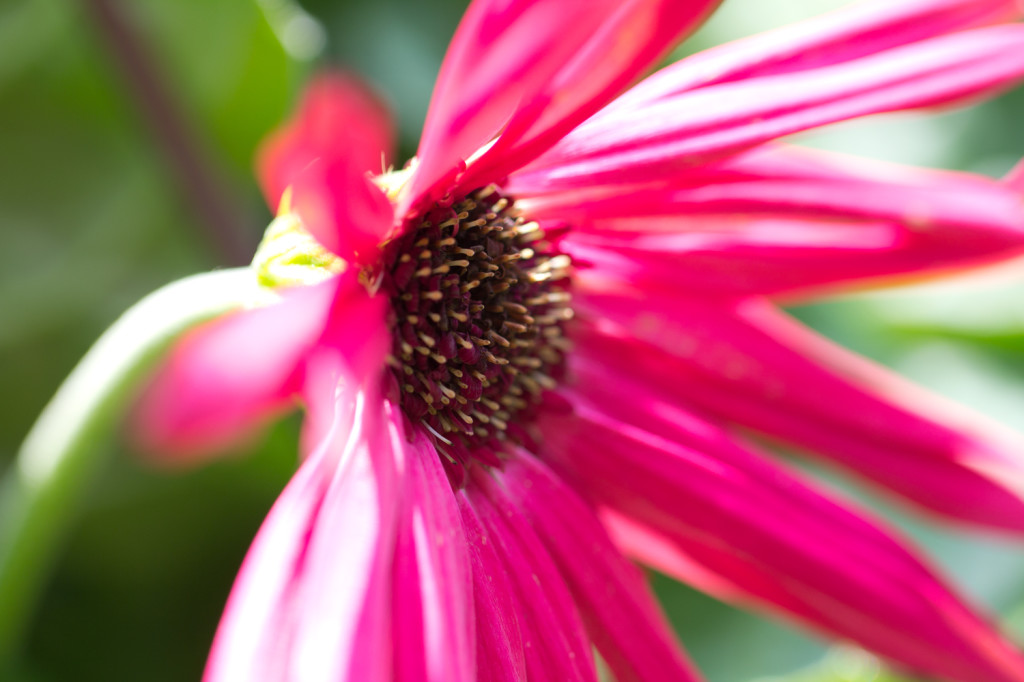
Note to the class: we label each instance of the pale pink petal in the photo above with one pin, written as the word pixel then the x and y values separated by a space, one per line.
pixel 538 68
pixel 313 599
pixel 1015 178
pixel 620 612
pixel 434 637
pixel 500 656
pixel 338 118
pixel 769 537
pixel 245 645
pixel 854 31
pixel 554 642
pixel 225 378
pixel 748 364
pixel 698 126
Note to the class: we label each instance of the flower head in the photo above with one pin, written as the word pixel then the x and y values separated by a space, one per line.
pixel 527 355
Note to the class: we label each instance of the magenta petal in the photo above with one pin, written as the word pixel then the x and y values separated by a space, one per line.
pixel 994 207
pixel 698 126
pixel 340 136
pixel 342 208
pixel 766 536
pixel 620 612
pixel 338 118
pixel 535 69
pixel 778 220
pixel 610 60
pixel 434 638
pixel 500 656
pixel 748 364
pixel 502 53
pixel 554 642
pixel 217 386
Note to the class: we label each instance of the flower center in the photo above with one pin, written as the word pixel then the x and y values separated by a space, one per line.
pixel 480 301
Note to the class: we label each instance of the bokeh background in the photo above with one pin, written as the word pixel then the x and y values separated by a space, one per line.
pixel 127 133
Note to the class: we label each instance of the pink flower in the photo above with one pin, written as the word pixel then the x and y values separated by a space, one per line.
pixel 529 355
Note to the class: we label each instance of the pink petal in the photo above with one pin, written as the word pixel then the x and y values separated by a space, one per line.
pixel 555 645
pixel 620 613
pixel 352 349
pixel 500 656
pixel 434 637
pixel 852 32
pixel 338 118
pixel 218 386
pixel 748 364
pixel 767 536
pixel 691 128
pixel 534 70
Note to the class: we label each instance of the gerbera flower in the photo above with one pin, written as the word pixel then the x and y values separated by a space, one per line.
pixel 536 351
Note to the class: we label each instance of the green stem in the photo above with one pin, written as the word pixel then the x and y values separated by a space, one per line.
pixel 40 494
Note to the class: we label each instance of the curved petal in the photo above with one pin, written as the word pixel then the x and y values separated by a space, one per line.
pixel 554 642
pixel 217 386
pixel 620 612
pixel 767 536
pixel 695 127
pixel 531 71
pixel 337 118
pixel 746 363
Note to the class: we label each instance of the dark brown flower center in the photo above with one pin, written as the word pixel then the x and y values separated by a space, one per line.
pixel 480 298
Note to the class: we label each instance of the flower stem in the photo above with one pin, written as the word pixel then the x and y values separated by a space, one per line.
pixel 40 494
pixel 217 209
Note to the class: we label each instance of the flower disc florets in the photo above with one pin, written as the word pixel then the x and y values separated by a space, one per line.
pixel 480 300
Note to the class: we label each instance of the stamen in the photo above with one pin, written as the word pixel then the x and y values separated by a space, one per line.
pixel 480 303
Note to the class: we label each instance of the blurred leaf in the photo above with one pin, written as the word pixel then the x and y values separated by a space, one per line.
pixel 842 665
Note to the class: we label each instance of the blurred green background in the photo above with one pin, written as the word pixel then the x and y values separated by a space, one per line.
pixel 127 131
